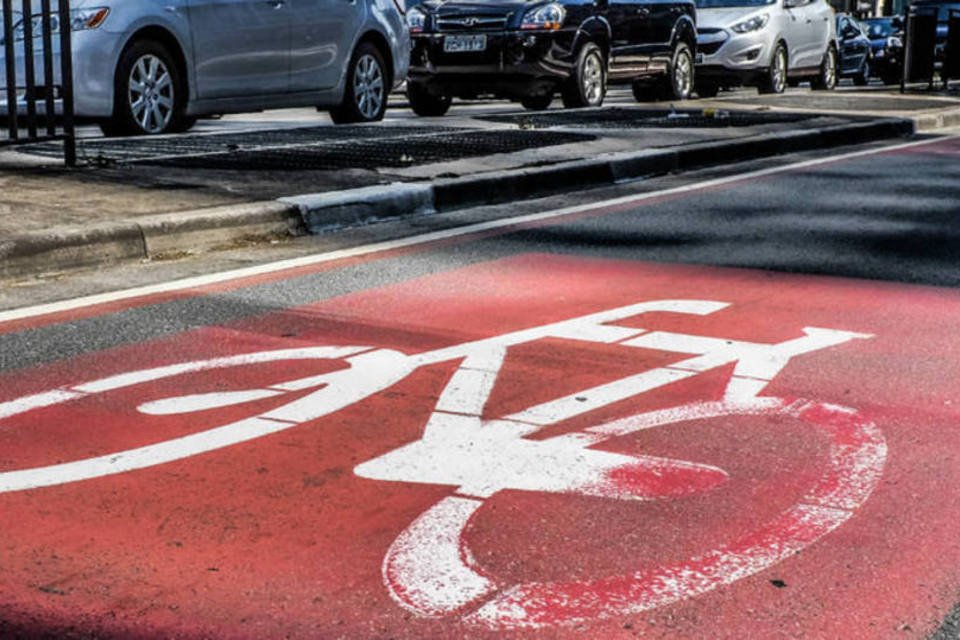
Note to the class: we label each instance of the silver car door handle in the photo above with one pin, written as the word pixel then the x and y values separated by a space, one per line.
pixel 276 4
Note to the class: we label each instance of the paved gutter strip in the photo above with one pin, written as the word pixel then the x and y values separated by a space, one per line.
pixel 171 233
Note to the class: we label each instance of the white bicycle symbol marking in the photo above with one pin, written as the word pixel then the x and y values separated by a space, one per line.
pixel 429 569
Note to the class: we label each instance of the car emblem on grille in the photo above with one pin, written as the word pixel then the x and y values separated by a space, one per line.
pixel 470 22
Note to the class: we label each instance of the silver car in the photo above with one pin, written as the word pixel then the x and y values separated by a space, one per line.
pixel 154 66
pixel 765 43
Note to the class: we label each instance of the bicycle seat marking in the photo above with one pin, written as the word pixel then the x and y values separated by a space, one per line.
pixel 429 570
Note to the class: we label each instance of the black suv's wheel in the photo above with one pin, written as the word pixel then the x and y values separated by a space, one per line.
pixel 537 103
pixel 588 85
pixel 365 97
pixel 826 80
pixel 775 80
pixel 679 82
pixel 424 103
pixel 149 96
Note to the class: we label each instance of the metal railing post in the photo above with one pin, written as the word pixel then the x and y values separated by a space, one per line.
pixel 66 85
pixel 10 55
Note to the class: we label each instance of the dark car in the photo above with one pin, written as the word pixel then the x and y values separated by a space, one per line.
pixel 886 41
pixel 528 51
pixel 855 50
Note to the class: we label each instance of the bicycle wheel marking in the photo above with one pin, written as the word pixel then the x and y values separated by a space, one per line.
pixel 858 453
pixel 429 569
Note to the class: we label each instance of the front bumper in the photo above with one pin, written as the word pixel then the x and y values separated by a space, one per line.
pixel 513 64
pixel 887 62
pixel 726 56
pixel 94 60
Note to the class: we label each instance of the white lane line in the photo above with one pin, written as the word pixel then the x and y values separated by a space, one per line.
pixel 434 236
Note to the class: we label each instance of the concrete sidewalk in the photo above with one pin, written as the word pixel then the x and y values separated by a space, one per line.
pixel 238 180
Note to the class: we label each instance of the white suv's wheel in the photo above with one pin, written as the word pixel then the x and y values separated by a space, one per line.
pixel 776 78
pixel 827 79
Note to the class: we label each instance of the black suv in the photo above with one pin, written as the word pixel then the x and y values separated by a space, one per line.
pixel 528 51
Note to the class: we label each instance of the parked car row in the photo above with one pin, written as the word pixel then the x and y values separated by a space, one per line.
pixel 155 66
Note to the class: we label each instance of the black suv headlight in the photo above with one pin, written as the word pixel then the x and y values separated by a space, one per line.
pixel 549 17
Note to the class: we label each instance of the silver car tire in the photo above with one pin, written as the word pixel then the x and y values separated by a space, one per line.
pixel 775 80
pixel 367 88
pixel 827 78
pixel 149 95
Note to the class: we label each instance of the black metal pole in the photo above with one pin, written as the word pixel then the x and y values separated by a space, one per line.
pixel 66 82
pixel 11 59
pixel 29 74
pixel 48 79
pixel 907 58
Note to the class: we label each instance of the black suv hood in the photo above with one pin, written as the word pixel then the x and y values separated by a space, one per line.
pixel 476 6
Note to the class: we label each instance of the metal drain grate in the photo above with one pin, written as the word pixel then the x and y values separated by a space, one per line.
pixel 616 118
pixel 391 152
pixel 145 148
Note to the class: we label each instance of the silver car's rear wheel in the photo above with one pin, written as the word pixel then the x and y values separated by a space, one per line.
pixel 365 98
pixel 776 78
pixel 827 80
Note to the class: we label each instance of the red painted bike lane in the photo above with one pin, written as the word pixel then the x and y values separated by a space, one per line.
pixel 536 446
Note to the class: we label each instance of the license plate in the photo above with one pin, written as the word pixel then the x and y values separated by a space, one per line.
pixel 463 44
pixel 699 58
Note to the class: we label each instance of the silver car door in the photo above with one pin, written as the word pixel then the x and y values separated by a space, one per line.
pixel 323 35
pixel 794 32
pixel 810 52
pixel 241 47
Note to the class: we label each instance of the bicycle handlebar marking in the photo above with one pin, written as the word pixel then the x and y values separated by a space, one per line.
pixel 429 570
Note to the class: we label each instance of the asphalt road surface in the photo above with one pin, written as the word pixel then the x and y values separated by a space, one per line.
pixel 719 406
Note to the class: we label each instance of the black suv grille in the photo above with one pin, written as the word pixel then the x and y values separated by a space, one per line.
pixel 471 23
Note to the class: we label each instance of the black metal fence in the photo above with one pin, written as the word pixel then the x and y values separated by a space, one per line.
pixel 38 87
pixel 951 58
pixel 920 37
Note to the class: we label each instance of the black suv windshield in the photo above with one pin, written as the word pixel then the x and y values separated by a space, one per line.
pixel 879 29
pixel 726 4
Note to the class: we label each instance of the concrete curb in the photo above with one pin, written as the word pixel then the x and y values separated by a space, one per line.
pixel 172 233
pixel 144 237
pixel 939 120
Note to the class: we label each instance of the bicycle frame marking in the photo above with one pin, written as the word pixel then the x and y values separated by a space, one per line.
pixel 429 570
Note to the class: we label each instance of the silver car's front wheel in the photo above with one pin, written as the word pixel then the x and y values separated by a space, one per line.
pixel 149 97
pixel 151 94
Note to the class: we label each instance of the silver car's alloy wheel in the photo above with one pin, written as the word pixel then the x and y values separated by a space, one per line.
pixel 830 70
pixel 778 75
pixel 368 86
pixel 593 78
pixel 683 76
pixel 151 94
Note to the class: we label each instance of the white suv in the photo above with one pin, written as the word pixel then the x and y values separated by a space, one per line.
pixel 765 43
